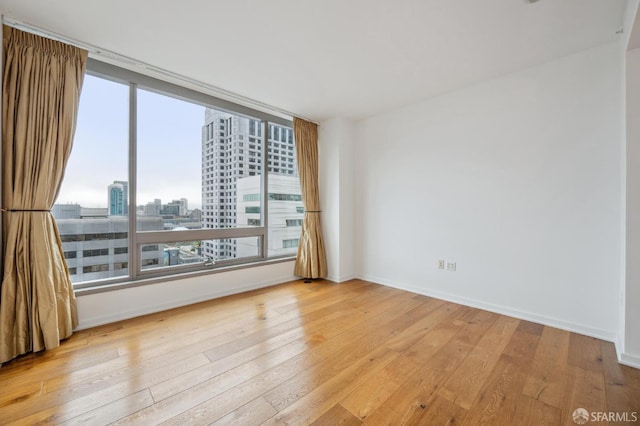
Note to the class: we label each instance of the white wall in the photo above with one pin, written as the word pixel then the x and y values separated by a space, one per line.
pixel 329 187
pixel 631 330
pixel 347 202
pixel 517 180
pixel 337 195
pixel 106 307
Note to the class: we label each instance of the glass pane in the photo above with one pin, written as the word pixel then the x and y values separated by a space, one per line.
pixel 191 160
pixel 286 209
pixel 92 206
pixel 191 252
pixel 169 160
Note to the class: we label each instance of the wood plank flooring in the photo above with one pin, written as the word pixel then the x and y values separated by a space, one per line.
pixel 319 354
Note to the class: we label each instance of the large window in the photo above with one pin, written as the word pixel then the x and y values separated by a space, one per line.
pixel 165 180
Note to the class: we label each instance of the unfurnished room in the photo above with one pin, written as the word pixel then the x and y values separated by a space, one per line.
pixel 410 212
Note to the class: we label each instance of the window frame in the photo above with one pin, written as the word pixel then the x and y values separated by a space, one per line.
pixel 138 239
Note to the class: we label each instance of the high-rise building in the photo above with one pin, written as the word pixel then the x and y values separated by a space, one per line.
pixel 232 149
pixel 118 193
pixel 125 195
pixel 154 208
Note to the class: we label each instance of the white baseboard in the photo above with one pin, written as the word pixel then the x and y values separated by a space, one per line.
pixel 503 310
pixel 624 357
pixel 145 310
pixel 629 360
pixel 341 279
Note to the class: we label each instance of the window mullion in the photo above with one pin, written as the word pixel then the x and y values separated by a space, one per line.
pixel 155 237
pixel 134 256
pixel 264 206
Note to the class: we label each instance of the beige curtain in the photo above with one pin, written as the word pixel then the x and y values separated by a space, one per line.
pixel 311 261
pixel 41 89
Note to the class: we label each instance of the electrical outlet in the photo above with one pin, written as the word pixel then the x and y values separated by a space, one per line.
pixel 451 266
pixel 441 264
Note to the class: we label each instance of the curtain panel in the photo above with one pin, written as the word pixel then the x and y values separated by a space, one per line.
pixel 311 261
pixel 42 80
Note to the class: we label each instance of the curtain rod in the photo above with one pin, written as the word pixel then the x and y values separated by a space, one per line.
pixel 152 70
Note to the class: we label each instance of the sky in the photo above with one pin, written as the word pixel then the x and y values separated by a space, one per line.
pixel 169 146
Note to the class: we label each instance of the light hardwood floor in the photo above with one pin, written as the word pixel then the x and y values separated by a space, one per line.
pixel 324 354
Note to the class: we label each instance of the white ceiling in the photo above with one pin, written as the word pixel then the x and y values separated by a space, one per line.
pixel 327 58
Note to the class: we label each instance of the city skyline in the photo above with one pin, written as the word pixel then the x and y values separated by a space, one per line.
pixel 169 133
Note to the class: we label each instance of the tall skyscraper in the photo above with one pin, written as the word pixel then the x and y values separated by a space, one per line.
pixel 125 195
pixel 118 193
pixel 232 149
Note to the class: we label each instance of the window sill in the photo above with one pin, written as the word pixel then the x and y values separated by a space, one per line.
pixel 103 288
